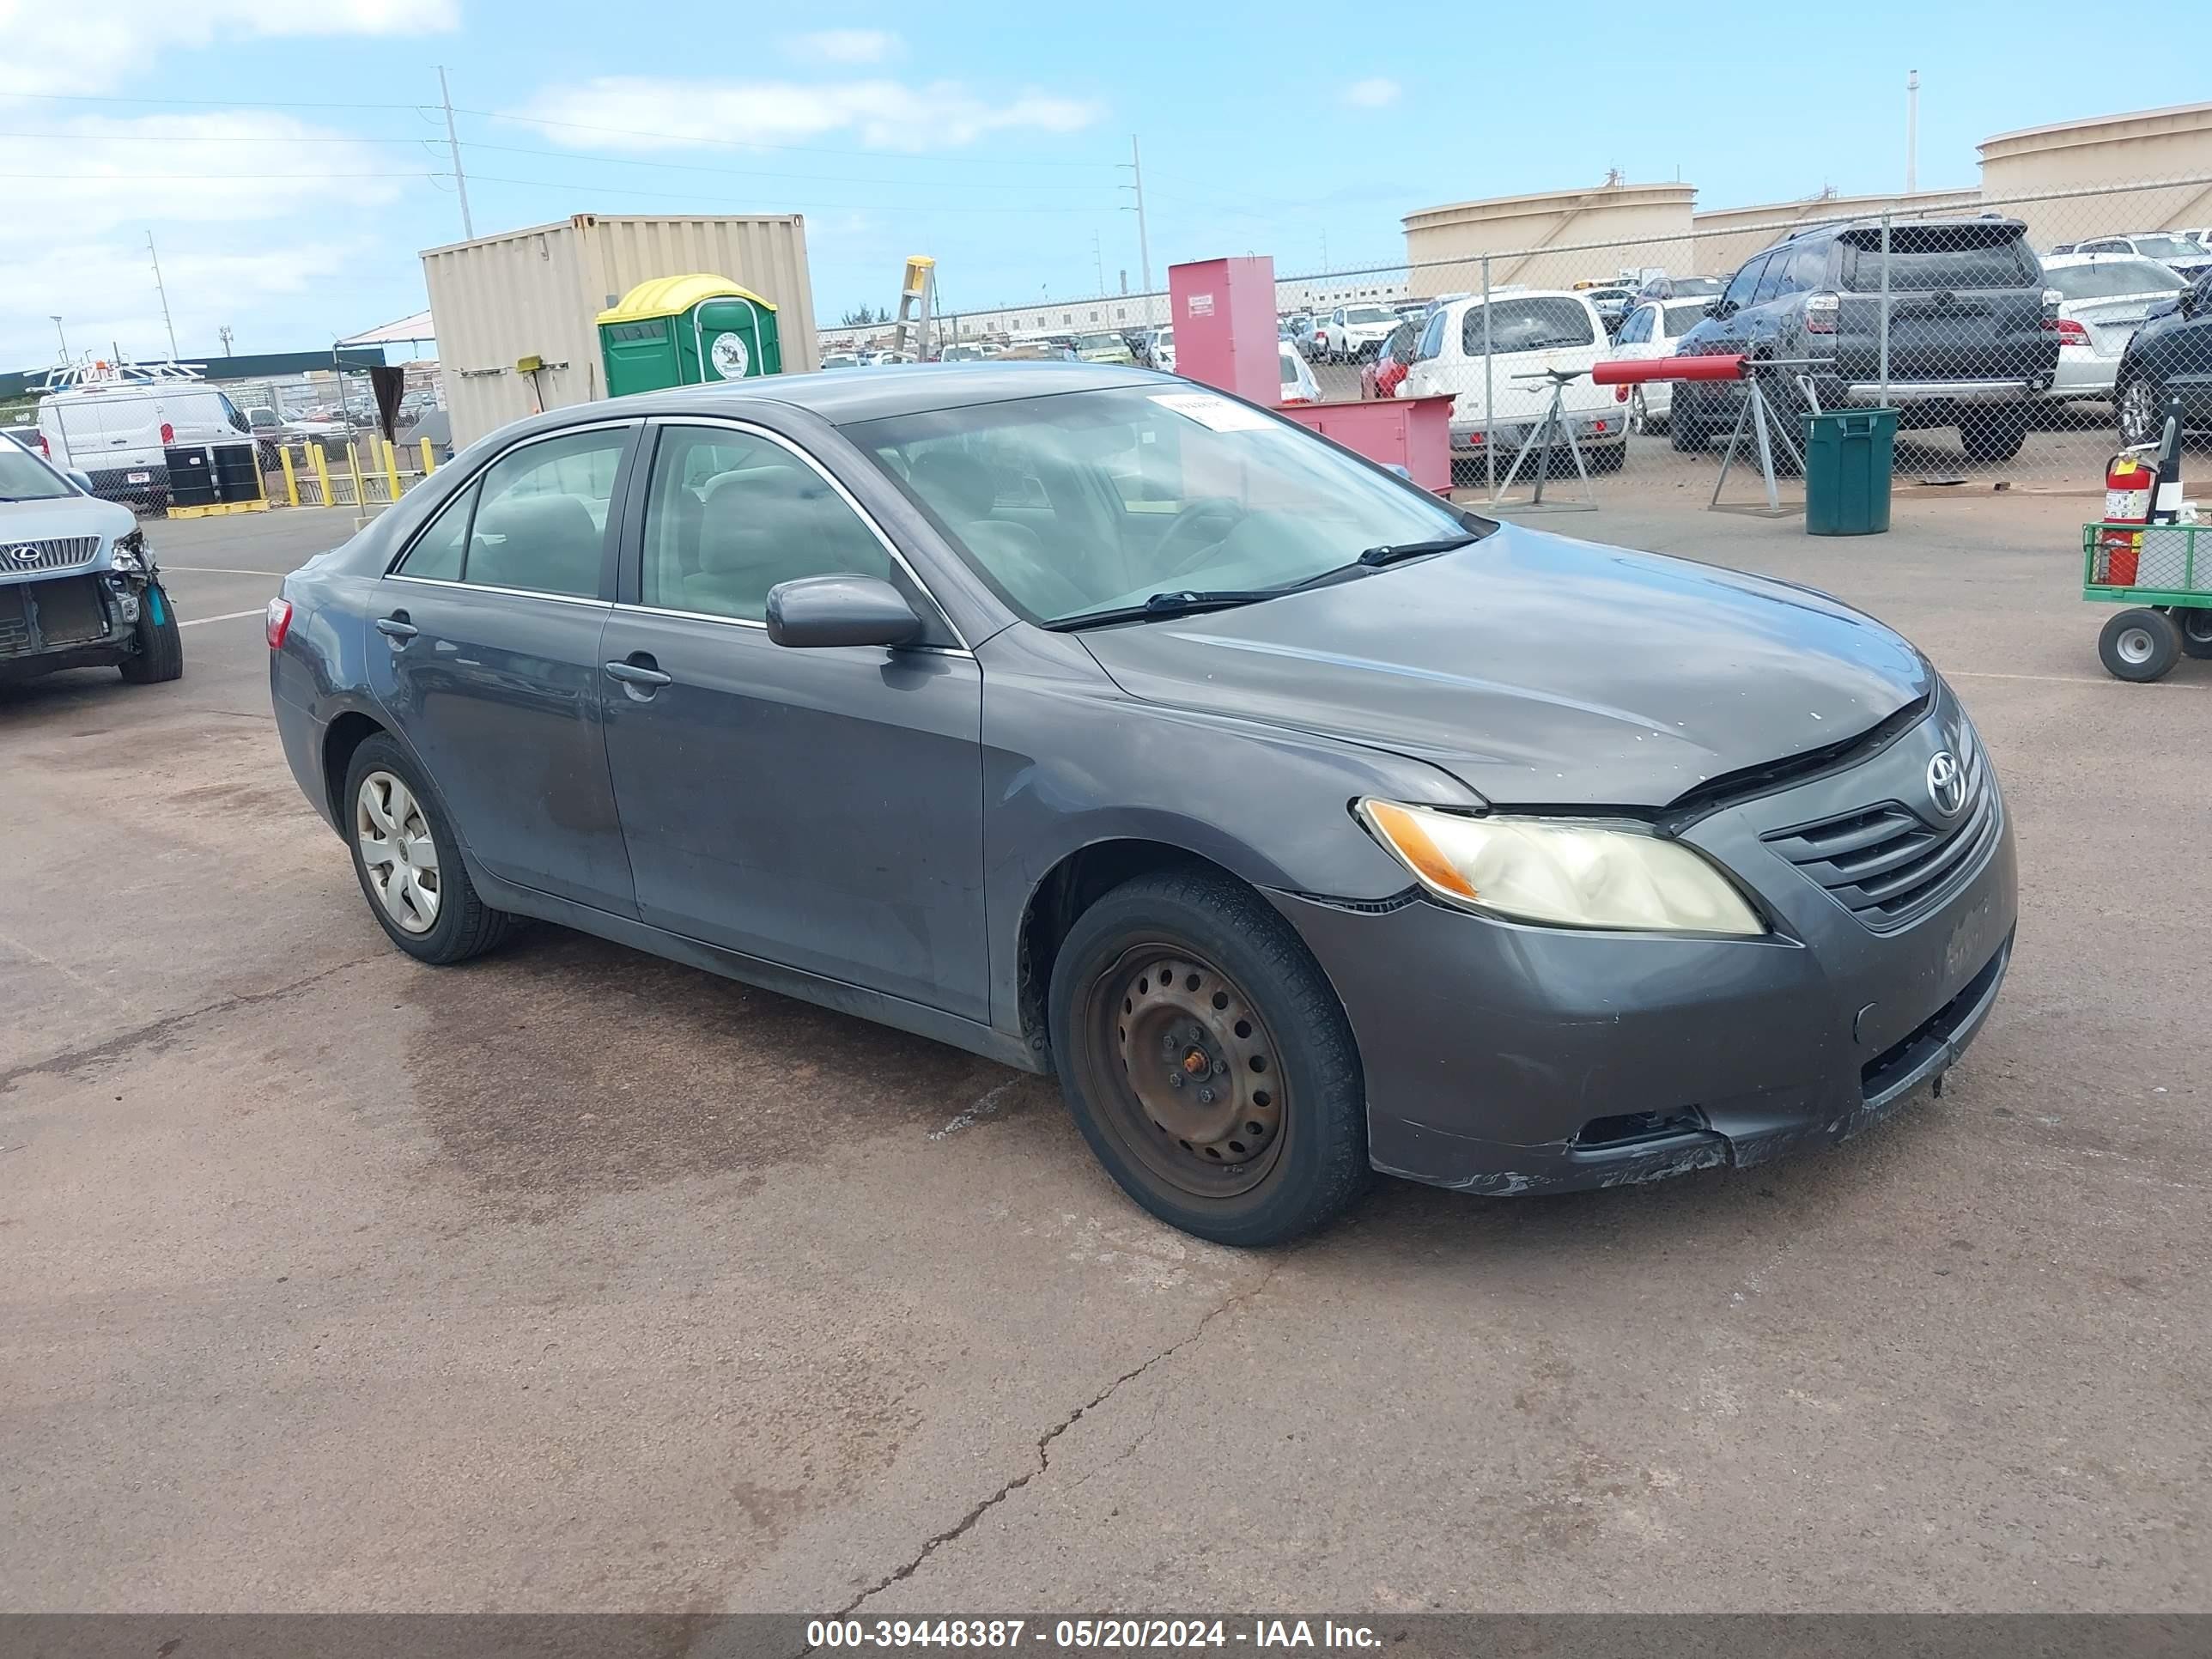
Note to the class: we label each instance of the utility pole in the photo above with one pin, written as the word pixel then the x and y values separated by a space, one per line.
pixel 1135 164
pixel 224 334
pixel 453 143
pixel 164 293
pixel 62 338
pixel 1098 262
pixel 1911 130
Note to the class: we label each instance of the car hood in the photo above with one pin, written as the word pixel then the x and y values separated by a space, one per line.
pixel 53 520
pixel 1540 670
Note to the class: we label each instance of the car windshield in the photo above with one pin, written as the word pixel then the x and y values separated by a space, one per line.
pixel 1368 314
pixel 1680 319
pixel 2168 247
pixel 1097 500
pixel 2110 277
pixel 1097 342
pixel 25 478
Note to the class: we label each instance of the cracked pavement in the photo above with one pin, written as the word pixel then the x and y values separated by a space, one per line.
pixel 572 1279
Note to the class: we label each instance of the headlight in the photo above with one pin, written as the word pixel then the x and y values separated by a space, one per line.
pixel 128 551
pixel 1562 874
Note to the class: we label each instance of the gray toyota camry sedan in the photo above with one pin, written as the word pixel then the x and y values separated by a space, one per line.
pixel 1304 825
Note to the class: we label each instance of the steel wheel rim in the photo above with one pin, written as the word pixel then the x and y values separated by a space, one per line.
pixel 398 851
pixel 2134 645
pixel 1163 1012
pixel 2138 412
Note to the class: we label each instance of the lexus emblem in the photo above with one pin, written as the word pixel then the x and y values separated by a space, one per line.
pixel 1947 784
pixel 26 554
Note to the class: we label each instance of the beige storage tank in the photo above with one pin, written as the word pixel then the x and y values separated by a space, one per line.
pixel 2079 167
pixel 532 296
pixel 1647 224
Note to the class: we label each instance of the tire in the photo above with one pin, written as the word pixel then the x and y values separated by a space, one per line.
pixel 2140 407
pixel 160 653
pixel 2195 625
pixel 2140 645
pixel 1993 435
pixel 462 925
pixel 1288 1138
pixel 1685 430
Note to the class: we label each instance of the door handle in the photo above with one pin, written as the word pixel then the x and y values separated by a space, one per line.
pixel 396 628
pixel 638 674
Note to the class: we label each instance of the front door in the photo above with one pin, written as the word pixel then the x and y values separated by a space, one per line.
pixel 822 808
pixel 487 654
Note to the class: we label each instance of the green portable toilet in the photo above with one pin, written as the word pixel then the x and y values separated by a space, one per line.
pixel 687 330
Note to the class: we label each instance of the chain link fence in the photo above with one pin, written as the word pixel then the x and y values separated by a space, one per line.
pixel 2003 330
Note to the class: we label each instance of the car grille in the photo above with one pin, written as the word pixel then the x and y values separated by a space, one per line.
pixel 48 616
pixel 60 554
pixel 1889 864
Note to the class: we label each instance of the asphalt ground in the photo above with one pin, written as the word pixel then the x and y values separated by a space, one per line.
pixel 574 1279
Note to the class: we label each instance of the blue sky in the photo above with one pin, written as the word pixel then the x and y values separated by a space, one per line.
pixel 291 196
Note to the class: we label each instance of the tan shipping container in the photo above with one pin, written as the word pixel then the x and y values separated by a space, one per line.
pixel 537 292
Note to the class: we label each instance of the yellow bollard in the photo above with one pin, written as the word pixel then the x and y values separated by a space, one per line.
pixel 429 462
pixel 322 460
pixel 353 467
pixel 391 468
pixel 291 481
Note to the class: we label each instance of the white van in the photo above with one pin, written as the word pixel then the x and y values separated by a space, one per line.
pixel 1529 330
pixel 114 432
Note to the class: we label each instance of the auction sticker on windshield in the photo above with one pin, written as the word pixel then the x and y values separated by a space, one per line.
pixel 1217 414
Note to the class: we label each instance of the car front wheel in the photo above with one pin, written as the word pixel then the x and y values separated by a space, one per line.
pixel 407 865
pixel 160 653
pixel 1207 1061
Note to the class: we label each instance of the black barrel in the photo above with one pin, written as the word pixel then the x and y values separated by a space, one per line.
pixel 192 477
pixel 237 472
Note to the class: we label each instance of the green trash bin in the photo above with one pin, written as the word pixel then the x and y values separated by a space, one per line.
pixel 1847 462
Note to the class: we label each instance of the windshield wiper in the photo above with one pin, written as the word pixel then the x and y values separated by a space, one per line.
pixel 1391 552
pixel 1181 603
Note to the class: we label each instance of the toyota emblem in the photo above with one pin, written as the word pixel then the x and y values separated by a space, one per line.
pixel 1947 784
pixel 26 554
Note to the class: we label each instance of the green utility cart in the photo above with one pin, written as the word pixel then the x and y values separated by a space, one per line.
pixel 687 330
pixel 2163 573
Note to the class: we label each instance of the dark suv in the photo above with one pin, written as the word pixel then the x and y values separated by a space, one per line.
pixel 1973 335
pixel 2170 356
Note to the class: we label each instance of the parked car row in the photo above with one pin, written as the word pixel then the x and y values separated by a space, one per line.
pixel 1981 332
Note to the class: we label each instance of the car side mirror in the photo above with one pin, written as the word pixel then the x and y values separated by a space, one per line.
pixel 821 610
pixel 81 480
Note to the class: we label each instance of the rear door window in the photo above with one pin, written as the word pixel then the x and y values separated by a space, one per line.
pixel 541 523
pixel 1924 259
pixel 437 553
pixel 1532 324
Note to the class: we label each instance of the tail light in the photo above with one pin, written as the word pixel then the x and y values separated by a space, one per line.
pixel 42 449
pixel 2070 332
pixel 1620 394
pixel 275 622
pixel 1821 311
pixel 168 433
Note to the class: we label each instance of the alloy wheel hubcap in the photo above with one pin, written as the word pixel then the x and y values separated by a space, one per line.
pixel 398 852
pixel 2139 412
pixel 1199 1095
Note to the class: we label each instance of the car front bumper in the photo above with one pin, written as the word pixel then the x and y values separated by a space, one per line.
pixel 1505 1059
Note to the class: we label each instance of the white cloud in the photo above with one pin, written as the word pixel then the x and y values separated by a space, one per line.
pixel 62 48
pixel 1374 92
pixel 843 46
pixel 266 289
pixel 639 113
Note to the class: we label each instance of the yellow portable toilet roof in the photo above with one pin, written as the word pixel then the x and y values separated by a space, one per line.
pixel 671 296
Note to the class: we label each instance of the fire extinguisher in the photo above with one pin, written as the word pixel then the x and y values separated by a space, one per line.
pixel 2127 500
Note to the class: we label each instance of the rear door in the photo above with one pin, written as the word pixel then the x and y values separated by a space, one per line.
pixel 1527 334
pixel 1966 303
pixel 486 655
pixel 821 808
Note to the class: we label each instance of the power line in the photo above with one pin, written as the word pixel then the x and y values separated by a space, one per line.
pixel 690 140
